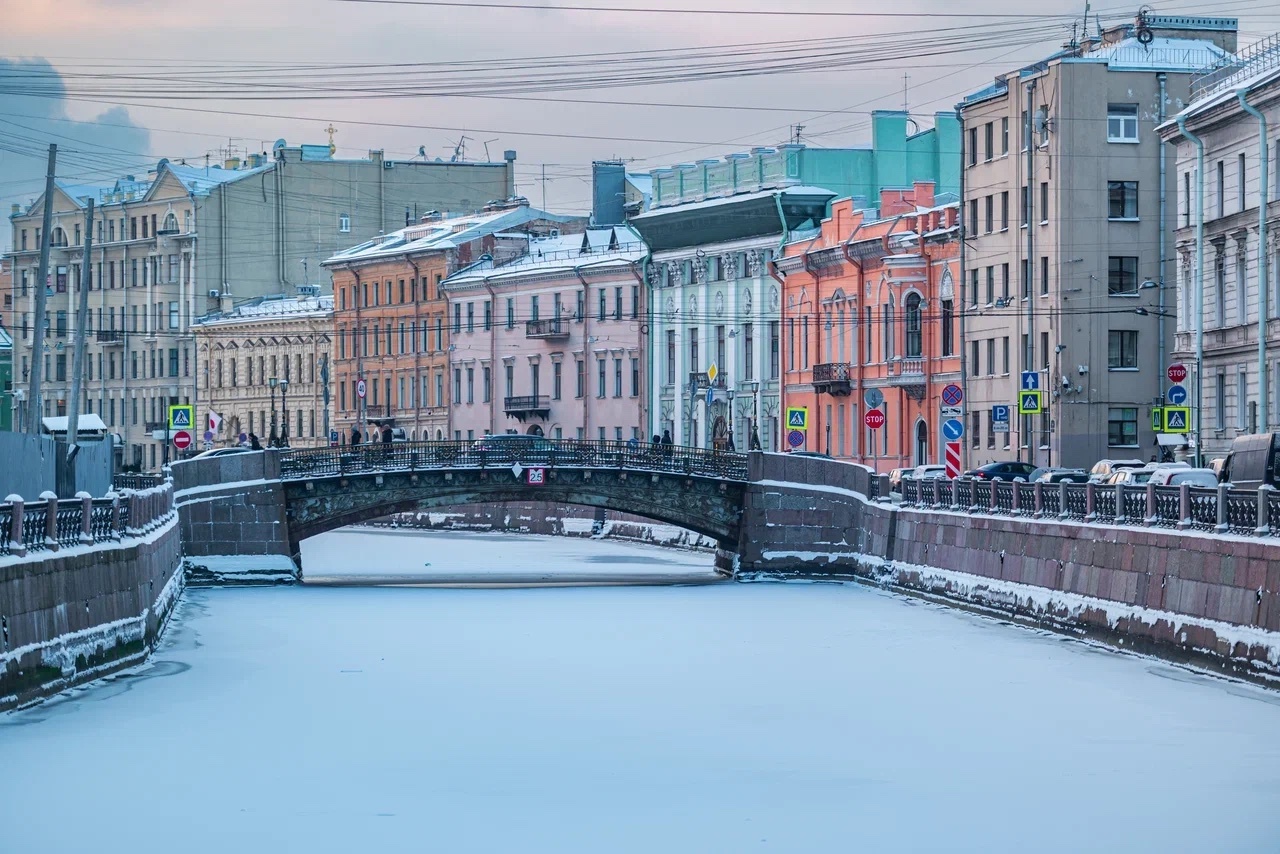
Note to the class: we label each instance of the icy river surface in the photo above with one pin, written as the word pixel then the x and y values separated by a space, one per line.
pixel 700 717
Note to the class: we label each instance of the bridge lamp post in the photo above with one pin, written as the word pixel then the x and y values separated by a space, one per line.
pixel 284 413
pixel 732 394
pixel 272 382
pixel 754 442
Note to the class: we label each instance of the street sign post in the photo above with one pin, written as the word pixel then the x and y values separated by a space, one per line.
pixel 951 411
pixel 1177 395
pixel 873 397
pixel 1177 419
pixel 712 372
pixel 1030 380
pixel 1177 373
pixel 1000 418
pixel 1157 419
pixel 952 459
pixel 874 419
pixel 952 395
pixel 208 436
pixel 182 440
pixel 1030 402
pixel 798 418
pixel 952 429
pixel 795 438
pixel 182 417
pixel 333 438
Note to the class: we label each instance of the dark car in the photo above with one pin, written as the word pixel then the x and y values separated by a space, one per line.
pixel 818 454
pixel 1002 471
pixel 1065 476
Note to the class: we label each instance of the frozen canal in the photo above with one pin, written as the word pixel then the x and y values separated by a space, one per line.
pixel 699 718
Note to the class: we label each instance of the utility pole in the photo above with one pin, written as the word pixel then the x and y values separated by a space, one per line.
pixel 324 390
pixel 1029 349
pixel 82 317
pixel 42 282
pixel 544 186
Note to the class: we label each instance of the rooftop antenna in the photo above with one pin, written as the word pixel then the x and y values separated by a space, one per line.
pixel 796 130
pixel 460 150
pixel 486 148
pixel 905 79
pixel 331 130
pixel 306 278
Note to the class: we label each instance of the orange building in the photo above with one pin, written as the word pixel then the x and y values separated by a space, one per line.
pixel 869 304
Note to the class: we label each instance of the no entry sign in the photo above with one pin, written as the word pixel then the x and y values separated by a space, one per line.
pixel 874 418
pixel 182 440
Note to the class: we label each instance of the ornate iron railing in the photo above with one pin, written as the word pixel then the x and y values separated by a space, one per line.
pixel 831 372
pixel 1004 497
pixel 136 481
pixel 1050 499
pixel 1104 504
pixel 1168 506
pixel 70 522
pixel 1273 511
pixel 549 327
pixel 51 525
pixel 910 490
pixel 1077 501
pixel 1242 511
pixel 506 451
pixel 1133 507
pixel 6 527
pixel 35 526
pixel 1204 508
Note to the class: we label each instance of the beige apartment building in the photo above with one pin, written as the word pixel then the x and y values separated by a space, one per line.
pixel 185 241
pixel 1228 279
pixel 1068 203
pixel 264 368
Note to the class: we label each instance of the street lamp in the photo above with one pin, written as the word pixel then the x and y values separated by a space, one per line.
pixel 272 382
pixel 732 395
pixel 754 441
pixel 284 413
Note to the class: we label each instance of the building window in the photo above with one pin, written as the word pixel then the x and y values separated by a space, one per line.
pixel 1044 202
pixel 911 314
pixel 1004 135
pixel 1240 176
pixel 1122 349
pixel 1005 356
pixel 1220 289
pixel 471 385
pixel 1044 275
pixel 748 351
pixel 617 303
pixel 457 318
pixel 973 146
pixel 775 333
pixel 635 301
pixel 975 428
pixel 635 377
pixel 671 357
pixel 973 217
pixel 948 330
pixel 991 214
pixel 1122 275
pixel 486 383
pixel 1242 398
pixel 557 379
pixel 1122 123
pixel 975 359
pixel 991 357
pixel 488 315
pixel 1186 198
pixel 344 223
pixel 973 281
pixel 1222 189
pixel 617 378
pixel 471 317
pixel 1004 211
pixel 581 374
pixel 511 313
pixel 601 378
pixel 509 380
pixel 603 305
pixel 1122 199
pixel 1122 427
pixel 989 138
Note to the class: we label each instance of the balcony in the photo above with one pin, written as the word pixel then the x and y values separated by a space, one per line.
pixel 527 406
pixel 832 378
pixel 700 380
pixel 110 336
pixel 908 374
pixel 551 328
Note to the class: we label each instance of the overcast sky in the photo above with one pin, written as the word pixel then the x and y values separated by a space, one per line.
pixel 73 34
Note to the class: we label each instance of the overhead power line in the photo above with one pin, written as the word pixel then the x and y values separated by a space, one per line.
pixel 658 10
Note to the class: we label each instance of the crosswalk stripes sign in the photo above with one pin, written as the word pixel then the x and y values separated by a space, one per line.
pixel 181 417
pixel 797 418
pixel 1030 403
pixel 1176 419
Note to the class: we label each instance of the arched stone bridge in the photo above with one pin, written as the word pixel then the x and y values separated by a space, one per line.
pixel 267 503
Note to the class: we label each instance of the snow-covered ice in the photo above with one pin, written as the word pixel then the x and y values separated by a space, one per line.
pixel 704 718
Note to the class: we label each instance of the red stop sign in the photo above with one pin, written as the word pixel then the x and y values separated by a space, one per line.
pixel 1177 373
pixel 182 440
pixel 874 419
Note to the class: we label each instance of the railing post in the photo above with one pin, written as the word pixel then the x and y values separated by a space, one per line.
pixel 1090 502
pixel 115 516
pixel 1063 510
pixel 1119 518
pixel 135 514
pixel 50 520
pixel 974 507
pixel 1153 511
pixel 1016 510
pixel 1264 511
pixel 86 518
pixel 991 496
pixel 17 547
pixel 1184 506
pixel 1223 524
pixel 1037 491
pixel 955 492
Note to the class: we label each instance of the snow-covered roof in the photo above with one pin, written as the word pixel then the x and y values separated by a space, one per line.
pixel 443 233
pixel 1162 54
pixel 1255 67
pixel 568 252
pixel 202 180
pixel 88 423
pixel 267 308
pixel 720 201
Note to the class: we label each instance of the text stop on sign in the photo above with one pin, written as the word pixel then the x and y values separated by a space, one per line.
pixel 874 419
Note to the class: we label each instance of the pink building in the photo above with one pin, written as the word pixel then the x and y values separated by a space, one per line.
pixel 551 343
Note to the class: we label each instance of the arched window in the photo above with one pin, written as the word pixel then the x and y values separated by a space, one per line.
pixel 912 317
pixel 888 330
pixel 922 444
pixel 170 224
pixel 59 237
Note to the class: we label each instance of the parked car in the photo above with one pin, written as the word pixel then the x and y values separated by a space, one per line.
pixel 1002 471
pixel 1216 466
pixel 1063 476
pixel 895 478
pixel 1102 469
pixel 1041 473
pixel 221 452
pixel 1187 475
pixel 1254 460
pixel 811 454
pixel 928 472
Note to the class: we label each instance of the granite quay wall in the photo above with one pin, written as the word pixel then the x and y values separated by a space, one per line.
pixel 1212 599
pixel 85 588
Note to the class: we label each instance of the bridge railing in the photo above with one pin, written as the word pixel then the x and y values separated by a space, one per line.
pixel 50 524
pixel 502 452
pixel 1215 509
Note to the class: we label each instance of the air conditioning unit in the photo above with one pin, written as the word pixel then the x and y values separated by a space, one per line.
pixel 214 294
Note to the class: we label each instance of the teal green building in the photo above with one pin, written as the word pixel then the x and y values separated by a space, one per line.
pixel 6 380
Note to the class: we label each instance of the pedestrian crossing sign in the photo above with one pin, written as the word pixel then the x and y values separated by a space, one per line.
pixel 797 418
pixel 1177 419
pixel 181 417
pixel 1030 402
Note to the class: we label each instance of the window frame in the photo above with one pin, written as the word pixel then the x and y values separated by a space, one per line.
pixel 1113 272
pixel 1124 114
pixel 1122 350
pixel 1126 196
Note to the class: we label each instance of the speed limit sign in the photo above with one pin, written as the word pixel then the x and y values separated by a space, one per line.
pixel 360 389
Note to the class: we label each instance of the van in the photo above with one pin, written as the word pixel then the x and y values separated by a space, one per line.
pixel 1252 461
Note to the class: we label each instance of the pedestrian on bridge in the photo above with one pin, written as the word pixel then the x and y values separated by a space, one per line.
pixel 254 444
pixel 355 435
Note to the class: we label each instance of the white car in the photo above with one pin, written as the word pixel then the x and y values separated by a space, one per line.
pixel 928 472
pixel 221 452
pixel 1170 476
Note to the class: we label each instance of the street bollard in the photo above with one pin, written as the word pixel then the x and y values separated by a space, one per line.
pixel 116 533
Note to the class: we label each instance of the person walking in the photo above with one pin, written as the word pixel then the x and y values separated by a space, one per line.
pixel 355 435
pixel 386 433
pixel 254 444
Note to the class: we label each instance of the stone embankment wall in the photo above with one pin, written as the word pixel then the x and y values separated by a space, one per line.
pixel 1210 599
pixel 75 613
pixel 568 520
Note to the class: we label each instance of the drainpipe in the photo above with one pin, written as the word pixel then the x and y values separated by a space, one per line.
pixel 963 312
pixel 413 395
pixel 1199 284
pixel 1162 320
pixel 650 362
pixel 1263 283
pixel 1028 351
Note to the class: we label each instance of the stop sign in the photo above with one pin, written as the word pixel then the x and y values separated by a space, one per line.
pixel 182 440
pixel 1177 373
pixel 874 418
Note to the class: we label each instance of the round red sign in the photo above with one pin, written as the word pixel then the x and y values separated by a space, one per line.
pixel 874 419
pixel 1177 373
pixel 182 440
pixel 360 389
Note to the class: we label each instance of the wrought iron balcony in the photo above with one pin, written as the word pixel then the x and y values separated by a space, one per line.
pixel 110 336
pixel 831 378
pixel 547 328
pixel 908 374
pixel 527 406
pixel 700 379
